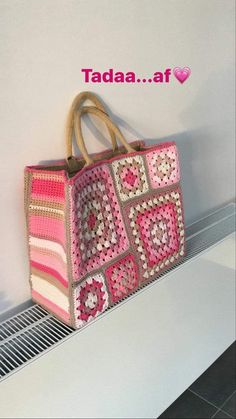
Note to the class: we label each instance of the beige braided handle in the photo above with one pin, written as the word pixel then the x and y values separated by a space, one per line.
pixel 110 125
pixel 77 102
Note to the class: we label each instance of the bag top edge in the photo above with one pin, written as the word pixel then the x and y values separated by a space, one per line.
pixel 60 166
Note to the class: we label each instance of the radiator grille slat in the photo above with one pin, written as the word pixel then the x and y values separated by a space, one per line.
pixel 27 335
pixel 32 332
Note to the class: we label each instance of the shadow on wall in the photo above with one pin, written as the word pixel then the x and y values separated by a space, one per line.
pixel 210 146
pixel 206 146
pixel 214 102
pixel 206 152
pixel 7 309
pixel 200 153
pixel 4 302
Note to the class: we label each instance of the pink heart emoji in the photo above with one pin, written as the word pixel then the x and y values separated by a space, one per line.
pixel 182 74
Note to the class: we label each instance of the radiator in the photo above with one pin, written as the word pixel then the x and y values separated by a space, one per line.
pixel 139 356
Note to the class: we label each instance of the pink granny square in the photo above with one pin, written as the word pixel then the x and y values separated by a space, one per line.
pixel 163 166
pixel 157 228
pixel 122 277
pixel 98 231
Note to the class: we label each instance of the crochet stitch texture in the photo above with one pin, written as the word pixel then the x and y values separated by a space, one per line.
pixel 99 235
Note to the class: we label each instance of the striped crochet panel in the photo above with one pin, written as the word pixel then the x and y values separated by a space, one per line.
pixel 45 208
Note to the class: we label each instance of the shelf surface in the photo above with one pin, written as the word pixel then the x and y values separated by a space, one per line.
pixel 138 358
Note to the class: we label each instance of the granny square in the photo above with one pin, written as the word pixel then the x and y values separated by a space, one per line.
pixel 98 232
pixel 163 166
pixel 158 232
pixel 122 277
pixel 130 177
pixel 90 299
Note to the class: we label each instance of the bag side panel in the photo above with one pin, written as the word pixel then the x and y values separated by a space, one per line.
pixel 45 207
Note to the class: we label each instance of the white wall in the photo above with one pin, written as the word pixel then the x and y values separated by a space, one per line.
pixel 44 45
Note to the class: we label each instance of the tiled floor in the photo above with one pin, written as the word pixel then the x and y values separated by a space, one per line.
pixel 212 395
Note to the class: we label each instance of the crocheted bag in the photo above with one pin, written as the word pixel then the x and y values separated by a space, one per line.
pixel 99 231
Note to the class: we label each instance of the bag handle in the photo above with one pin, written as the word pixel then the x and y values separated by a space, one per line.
pixel 77 102
pixel 110 125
